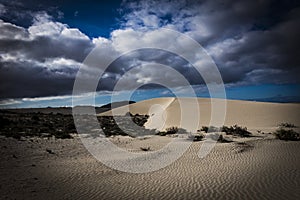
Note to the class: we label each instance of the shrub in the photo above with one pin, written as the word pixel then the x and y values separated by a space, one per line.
pixel 204 129
pixel 223 140
pixel 4 122
pixel 218 137
pixel 289 134
pixel 172 130
pixel 207 129
pixel 62 135
pixel 162 133
pixel 198 137
pixel 286 125
pixel 236 130
pixel 12 134
pixel 35 118
pixel 227 130
pixel 139 120
pixel 232 130
pixel 145 148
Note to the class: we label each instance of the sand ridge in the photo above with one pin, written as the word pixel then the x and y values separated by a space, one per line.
pixel 254 115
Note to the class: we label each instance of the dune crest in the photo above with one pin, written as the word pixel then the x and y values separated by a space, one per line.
pixel 167 111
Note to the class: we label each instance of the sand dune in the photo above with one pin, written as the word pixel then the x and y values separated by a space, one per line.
pixel 254 115
pixel 259 168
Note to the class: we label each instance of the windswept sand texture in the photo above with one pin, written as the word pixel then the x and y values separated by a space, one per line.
pixel 250 168
pixel 268 169
pixel 253 115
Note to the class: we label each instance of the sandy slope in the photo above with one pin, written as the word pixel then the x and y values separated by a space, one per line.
pixel 263 169
pixel 260 168
pixel 254 115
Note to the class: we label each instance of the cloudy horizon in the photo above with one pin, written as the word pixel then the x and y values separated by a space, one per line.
pixel 43 46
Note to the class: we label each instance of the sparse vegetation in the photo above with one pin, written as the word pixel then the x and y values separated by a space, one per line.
pixel 62 126
pixel 286 125
pixel 232 130
pixel 222 139
pixel 214 136
pixel 17 125
pixel 288 134
pixel 209 129
pixel 243 147
pixel 4 122
pixel 145 148
pixel 171 131
pixel 236 131
pixel 110 125
pixel 198 137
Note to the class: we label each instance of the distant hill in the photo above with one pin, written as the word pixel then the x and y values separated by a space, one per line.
pixel 101 109
pixel 113 105
pixel 68 110
pixel 279 99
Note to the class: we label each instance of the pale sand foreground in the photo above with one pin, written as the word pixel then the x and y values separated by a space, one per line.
pixel 263 169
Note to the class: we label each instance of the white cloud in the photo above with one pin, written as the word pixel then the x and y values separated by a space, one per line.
pixel 41 60
pixel 53 51
pixel 11 31
pixel 73 33
pixel 44 26
pixel 46 98
pixel 8 102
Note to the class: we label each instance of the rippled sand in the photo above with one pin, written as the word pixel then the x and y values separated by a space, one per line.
pixel 258 169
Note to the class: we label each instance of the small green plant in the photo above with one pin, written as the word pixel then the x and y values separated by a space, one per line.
pixel 289 134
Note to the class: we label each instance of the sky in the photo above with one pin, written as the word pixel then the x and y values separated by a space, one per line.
pixel 254 44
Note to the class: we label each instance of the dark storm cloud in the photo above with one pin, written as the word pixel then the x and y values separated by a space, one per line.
pixel 241 36
pixel 41 60
pixel 251 42
pixel 272 50
pixel 22 13
pixel 24 79
pixel 43 48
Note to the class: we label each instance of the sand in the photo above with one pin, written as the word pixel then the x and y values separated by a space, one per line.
pixel 254 115
pixel 260 167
